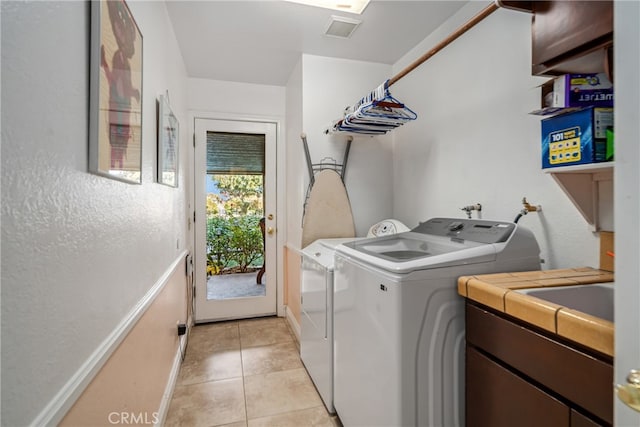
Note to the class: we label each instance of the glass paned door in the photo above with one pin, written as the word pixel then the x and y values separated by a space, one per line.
pixel 235 219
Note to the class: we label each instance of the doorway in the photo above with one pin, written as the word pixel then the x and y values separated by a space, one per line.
pixel 235 201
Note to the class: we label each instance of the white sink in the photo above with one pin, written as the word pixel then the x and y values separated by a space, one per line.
pixel 594 299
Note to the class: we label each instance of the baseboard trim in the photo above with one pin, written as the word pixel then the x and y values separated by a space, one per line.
pixel 58 407
pixel 295 327
pixel 173 379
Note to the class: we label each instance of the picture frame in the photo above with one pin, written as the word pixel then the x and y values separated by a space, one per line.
pixel 168 143
pixel 116 82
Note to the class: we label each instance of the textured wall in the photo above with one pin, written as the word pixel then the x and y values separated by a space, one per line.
pixel 78 250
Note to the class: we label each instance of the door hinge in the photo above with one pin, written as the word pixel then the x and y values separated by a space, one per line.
pixel 194 140
pixel 194 216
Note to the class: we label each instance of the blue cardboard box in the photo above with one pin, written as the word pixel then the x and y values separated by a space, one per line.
pixel 576 138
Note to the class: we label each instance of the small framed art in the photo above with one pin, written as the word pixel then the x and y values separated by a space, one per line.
pixel 115 126
pixel 168 131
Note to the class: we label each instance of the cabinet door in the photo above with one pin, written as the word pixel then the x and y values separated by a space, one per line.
pixel 563 31
pixel 554 365
pixel 498 398
pixel 579 420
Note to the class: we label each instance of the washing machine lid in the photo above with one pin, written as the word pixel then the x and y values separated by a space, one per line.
pixel 439 242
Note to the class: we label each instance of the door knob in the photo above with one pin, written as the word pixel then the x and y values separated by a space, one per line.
pixel 629 393
pixel 270 230
pixel 270 217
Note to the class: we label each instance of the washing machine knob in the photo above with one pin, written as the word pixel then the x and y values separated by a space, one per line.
pixel 455 226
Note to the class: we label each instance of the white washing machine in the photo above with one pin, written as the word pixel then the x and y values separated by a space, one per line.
pixel 399 321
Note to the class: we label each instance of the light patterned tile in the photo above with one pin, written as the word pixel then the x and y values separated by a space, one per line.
pixel 279 392
pixel 207 404
pixel 271 358
pixel 205 339
pixel 265 331
pixel 316 417
pixel 220 364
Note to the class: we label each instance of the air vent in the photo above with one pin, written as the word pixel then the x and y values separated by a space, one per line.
pixel 342 27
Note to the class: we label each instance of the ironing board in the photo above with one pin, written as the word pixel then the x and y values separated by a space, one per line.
pixel 328 212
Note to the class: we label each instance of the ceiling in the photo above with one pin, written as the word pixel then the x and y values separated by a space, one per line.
pixel 261 41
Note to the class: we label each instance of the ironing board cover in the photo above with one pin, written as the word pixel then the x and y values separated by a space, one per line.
pixel 328 213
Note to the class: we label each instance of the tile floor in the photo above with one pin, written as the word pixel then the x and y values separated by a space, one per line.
pixel 245 373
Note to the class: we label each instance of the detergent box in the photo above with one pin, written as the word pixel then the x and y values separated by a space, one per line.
pixel 576 137
pixel 574 91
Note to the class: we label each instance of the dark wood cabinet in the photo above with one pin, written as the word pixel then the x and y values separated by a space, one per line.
pixel 518 375
pixel 574 36
pixel 490 393
pixel 579 420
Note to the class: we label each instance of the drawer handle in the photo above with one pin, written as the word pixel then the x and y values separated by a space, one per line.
pixel 629 393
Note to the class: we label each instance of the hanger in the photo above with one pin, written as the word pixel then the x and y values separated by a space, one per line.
pixel 375 114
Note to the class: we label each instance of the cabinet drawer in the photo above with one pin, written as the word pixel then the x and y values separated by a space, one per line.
pixel 579 377
pixel 579 420
pixel 496 397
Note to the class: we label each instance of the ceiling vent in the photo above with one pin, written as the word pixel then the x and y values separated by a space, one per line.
pixel 342 27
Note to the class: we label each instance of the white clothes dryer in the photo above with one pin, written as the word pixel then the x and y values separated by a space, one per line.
pixel 399 321
pixel 316 295
pixel 316 312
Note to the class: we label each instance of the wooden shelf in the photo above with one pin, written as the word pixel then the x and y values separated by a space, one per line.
pixel 580 184
pixel 586 168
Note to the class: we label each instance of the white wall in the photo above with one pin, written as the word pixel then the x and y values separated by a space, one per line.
pixel 79 251
pixel 474 141
pixel 328 86
pixel 296 167
pixel 243 100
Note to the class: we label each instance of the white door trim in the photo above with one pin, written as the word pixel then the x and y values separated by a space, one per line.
pixel 626 203
pixel 281 207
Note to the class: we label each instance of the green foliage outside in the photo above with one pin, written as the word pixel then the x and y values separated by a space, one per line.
pixel 239 194
pixel 234 239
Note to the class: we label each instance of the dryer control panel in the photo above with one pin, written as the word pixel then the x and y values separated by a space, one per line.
pixel 475 230
pixel 387 228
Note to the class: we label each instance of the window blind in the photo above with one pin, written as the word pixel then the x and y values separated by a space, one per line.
pixel 235 153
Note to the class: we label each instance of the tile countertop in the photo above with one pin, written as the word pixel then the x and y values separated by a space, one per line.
pixel 495 291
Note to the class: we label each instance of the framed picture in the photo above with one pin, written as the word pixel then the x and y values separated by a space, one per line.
pixel 168 131
pixel 115 126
